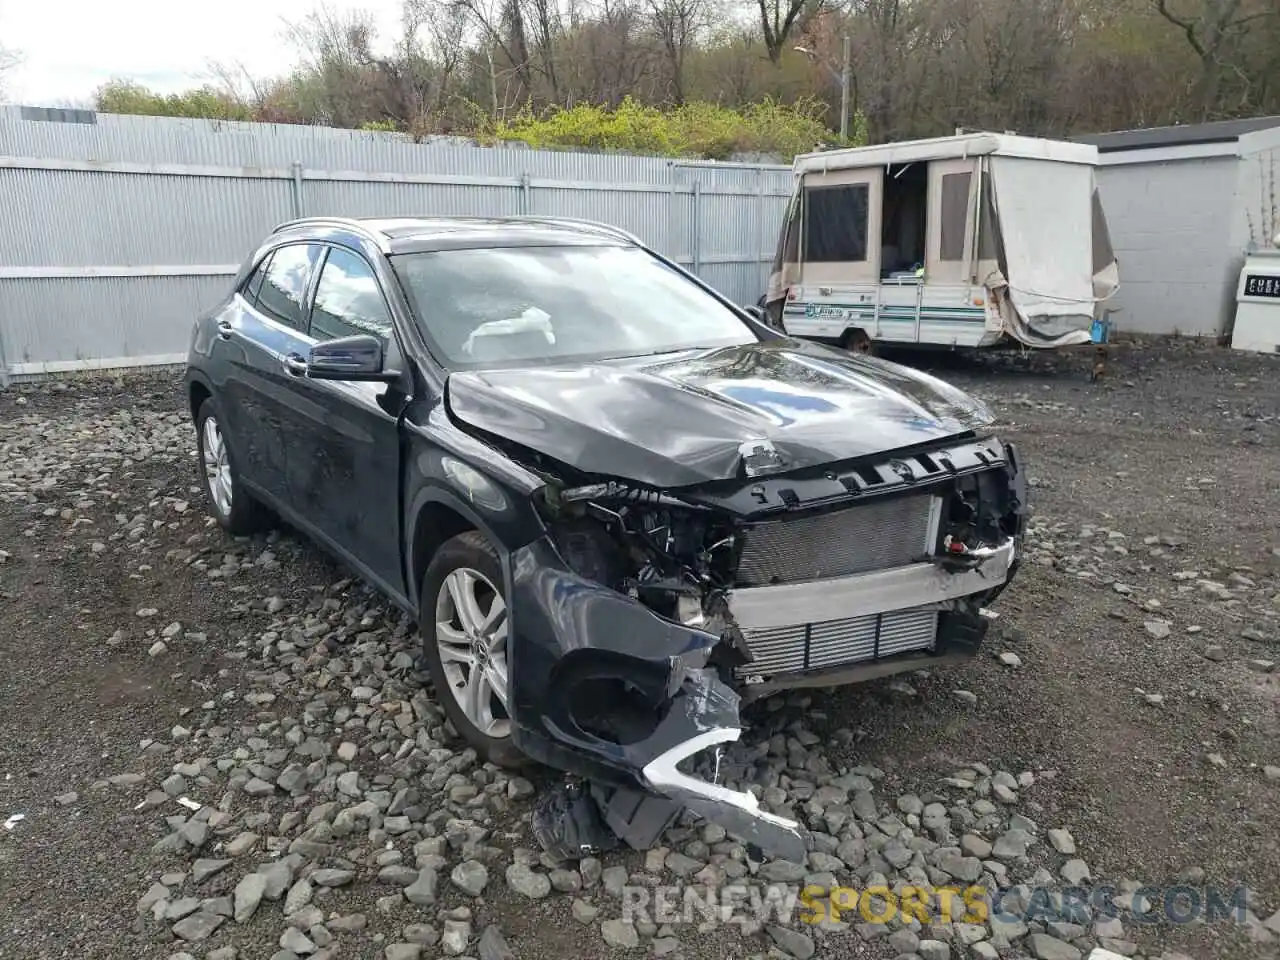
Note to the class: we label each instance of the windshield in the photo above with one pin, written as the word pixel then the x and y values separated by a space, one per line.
pixel 505 305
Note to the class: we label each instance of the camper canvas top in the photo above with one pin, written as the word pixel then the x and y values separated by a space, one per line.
pixel 945 148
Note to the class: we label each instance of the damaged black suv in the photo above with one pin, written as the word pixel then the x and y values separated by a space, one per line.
pixel 617 504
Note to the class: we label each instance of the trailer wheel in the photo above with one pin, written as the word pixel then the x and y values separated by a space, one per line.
pixel 856 341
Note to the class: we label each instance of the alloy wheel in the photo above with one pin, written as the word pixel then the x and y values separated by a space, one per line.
pixel 217 466
pixel 471 634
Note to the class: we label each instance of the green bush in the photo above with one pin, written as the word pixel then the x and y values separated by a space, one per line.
pixel 696 129
pixel 122 96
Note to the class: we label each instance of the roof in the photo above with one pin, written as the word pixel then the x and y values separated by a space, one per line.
pixel 1221 131
pixel 424 234
pixel 945 148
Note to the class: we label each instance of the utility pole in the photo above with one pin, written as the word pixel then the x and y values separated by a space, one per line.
pixel 845 72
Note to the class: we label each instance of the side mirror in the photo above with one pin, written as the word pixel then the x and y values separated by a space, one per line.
pixel 349 358
pixel 757 313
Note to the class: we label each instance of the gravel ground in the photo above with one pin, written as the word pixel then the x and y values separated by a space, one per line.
pixel 1121 727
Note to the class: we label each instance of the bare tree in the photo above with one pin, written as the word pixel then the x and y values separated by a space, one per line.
pixel 781 19
pixel 1215 31
pixel 676 24
pixel 9 59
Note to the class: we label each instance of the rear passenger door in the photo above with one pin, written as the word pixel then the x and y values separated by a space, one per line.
pixel 342 436
pixel 264 324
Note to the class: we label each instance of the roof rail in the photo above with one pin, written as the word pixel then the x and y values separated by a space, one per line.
pixel 605 228
pixel 348 223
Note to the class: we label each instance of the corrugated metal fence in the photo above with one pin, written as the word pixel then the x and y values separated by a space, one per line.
pixel 118 232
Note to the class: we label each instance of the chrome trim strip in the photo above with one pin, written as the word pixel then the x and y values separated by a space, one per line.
pixel 916 585
pixel 661 774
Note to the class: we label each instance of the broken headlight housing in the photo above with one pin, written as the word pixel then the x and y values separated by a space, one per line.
pixel 671 555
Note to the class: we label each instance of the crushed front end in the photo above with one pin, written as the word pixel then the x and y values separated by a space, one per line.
pixel 646 617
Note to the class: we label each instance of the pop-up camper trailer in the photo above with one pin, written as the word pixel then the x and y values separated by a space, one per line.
pixel 964 241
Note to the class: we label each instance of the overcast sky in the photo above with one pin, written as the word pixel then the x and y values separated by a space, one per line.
pixel 70 47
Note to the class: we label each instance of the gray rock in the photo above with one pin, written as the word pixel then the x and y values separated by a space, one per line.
pixel 971 845
pixel 791 942
pixel 403 951
pixel 348 923
pixel 194 833
pixel 1011 845
pixel 493 946
pixel 614 879
pixel 456 936
pixel 903 941
pixel 155 893
pixel 1045 947
pixel 933 950
pixel 298 897
pixel 222 953
pixel 681 865
pixel 199 926
pixel 332 878
pixel 1062 841
pixel 1075 872
pixel 278 878
pixel 566 881
pixel 248 895
pixel 398 874
pixel 983 950
pixel 423 933
pixel 529 883
pixel 583 912
pixel 968 869
pixel 782 871
pixel 202 870
pixel 423 890
pixel 470 877
pixel 296 942
pixel 620 934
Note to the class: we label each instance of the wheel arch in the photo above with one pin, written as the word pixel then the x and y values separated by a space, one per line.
pixel 437 515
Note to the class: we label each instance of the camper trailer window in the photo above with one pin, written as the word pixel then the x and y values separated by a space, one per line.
pixel 955 214
pixel 835 223
pixel 1103 254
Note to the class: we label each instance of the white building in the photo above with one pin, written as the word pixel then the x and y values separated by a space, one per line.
pixel 1183 205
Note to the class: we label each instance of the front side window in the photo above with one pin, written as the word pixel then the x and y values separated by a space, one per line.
pixel 835 223
pixel 348 299
pixel 284 285
pixel 511 305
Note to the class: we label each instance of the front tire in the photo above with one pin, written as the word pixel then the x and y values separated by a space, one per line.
pixel 231 505
pixel 464 625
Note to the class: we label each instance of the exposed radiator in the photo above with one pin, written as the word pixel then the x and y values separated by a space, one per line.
pixel 830 643
pixel 876 535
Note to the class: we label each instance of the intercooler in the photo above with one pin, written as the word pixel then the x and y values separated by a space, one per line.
pixel 830 643
pixel 873 536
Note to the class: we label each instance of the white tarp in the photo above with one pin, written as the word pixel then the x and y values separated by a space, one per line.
pixel 1045 211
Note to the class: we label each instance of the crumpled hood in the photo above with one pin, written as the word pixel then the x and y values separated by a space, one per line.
pixel 683 419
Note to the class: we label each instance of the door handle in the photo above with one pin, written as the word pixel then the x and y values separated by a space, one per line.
pixel 225 329
pixel 294 364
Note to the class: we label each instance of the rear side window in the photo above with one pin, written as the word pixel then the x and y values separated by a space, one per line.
pixel 348 299
pixel 835 223
pixel 284 285
pixel 254 283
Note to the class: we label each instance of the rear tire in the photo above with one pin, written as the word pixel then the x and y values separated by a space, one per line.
pixel 464 626
pixel 229 502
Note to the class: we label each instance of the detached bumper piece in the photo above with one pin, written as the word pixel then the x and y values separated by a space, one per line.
pixel 625 702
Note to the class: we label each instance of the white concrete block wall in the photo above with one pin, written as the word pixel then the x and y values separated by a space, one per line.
pixel 1171 225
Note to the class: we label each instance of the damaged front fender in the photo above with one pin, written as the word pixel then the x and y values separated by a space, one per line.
pixel 604 688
